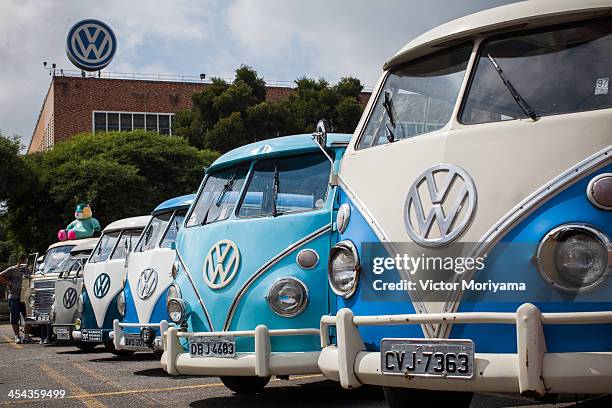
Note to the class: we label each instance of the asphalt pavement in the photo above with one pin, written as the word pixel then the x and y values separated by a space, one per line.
pixel 99 379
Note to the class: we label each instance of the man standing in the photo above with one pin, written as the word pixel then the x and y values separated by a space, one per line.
pixel 12 277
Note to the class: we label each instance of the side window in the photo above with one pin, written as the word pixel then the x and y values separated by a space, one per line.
pixel 218 196
pixel 175 225
pixel 564 69
pixel 284 185
pixel 153 232
pixel 126 243
pixel 105 245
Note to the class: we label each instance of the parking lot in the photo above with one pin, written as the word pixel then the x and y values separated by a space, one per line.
pixel 99 379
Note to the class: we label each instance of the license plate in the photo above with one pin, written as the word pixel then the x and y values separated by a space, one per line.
pixel 212 346
pixel 42 316
pixel 91 335
pixel 427 358
pixel 62 334
pixel 134 340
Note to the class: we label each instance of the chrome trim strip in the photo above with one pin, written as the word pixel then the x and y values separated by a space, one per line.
pixel 264 268
pixel 524 209
pixel 195 289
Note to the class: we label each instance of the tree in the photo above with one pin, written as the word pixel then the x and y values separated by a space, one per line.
pixel 121 174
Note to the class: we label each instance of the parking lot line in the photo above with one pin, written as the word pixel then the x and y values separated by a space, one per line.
pixel 78 393
pixel 12 342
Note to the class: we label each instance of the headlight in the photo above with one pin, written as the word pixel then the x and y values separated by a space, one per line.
pixel 77 324
pixel 121 303
pixel 177 310
pixel 31 299
pixel 574 257
pixel 288 297
pixel 343 270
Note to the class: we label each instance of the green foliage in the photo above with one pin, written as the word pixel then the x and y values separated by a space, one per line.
pixel 225 116
pixel 121 174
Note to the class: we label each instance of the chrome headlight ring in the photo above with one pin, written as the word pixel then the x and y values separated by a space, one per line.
pixel 344 282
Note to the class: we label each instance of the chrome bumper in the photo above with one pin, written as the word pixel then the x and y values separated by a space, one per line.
pixel 118 336
pixel 262 363
pixel 531 371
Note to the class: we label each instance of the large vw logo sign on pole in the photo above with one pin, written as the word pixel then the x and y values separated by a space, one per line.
pixel 101 285
pixel 91 45
pixel 147 283
pixel 452 195
pixel 70 298
pixel 221 264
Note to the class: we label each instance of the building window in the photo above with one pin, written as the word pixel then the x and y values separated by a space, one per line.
pixel 128 121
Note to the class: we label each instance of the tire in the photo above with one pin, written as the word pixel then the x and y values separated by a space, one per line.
pixel 245 385
pixel 81 345
pixel 409 397
pixel 110 347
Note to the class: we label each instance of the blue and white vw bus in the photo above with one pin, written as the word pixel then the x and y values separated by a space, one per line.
pixel 252 264
pixel 104 277
pixel 151 272
pixel 473 247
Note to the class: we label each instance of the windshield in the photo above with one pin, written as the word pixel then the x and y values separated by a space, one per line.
pixel 289 184
pixel 73 264
pixel 54 258
pixel 153 232
pixel 105 246
pixel 219 195
pixel 417 98
pixel 126 243
pixel 175 225
pixel 560 70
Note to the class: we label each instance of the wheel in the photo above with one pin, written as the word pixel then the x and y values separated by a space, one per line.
pixel 409 397
pixel 245 385
pixel 110 347
pixel 81 345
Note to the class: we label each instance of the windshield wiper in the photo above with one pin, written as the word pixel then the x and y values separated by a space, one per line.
pixel 522 103
pixel 388 106
pixel 275 191
pixel 228 185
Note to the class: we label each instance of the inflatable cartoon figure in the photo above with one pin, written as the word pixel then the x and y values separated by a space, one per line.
pixel 83 227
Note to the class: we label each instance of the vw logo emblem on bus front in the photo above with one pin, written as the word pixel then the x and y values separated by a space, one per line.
pixel 101 285
pixel 91 45
pixel 221 264
pixel 449 194
pixel 70 298
pixel 147 283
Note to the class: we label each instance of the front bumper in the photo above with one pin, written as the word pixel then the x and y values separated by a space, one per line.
pixel 118 335
pixel 531 371
pixel 262 363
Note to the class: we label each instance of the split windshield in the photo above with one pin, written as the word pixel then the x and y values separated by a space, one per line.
pixel 175 225
pixel 126 243
pixel 417 98
pixel 153 232
pixel 106 244
pixel 54 258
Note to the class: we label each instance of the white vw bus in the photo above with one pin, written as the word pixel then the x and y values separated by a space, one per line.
pixel 473 243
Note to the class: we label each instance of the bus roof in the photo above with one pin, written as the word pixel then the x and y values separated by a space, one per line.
pixel 69 242
pixel 128 223
pixel 523 15
pixel 276 146
pixel 174 203
pixel 86 244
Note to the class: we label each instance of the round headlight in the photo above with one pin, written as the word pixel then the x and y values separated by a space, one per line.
pixel 343 270
pixel 343 216
pixel 176 310
pixel 574 257
pixel 77 324
pixel 121 303
pixel 288 297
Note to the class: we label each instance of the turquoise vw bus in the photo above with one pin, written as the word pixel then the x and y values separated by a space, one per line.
pixel 252 264
pixel 473 251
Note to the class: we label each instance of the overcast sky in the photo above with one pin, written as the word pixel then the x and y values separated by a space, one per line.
pixel 281 39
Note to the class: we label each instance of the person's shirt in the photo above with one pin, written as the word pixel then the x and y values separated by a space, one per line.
pixel 14 274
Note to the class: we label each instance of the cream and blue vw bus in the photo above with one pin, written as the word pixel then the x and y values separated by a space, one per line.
pixel 252 272
pixel 104 277
pixel 150 275
pixel 474 234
